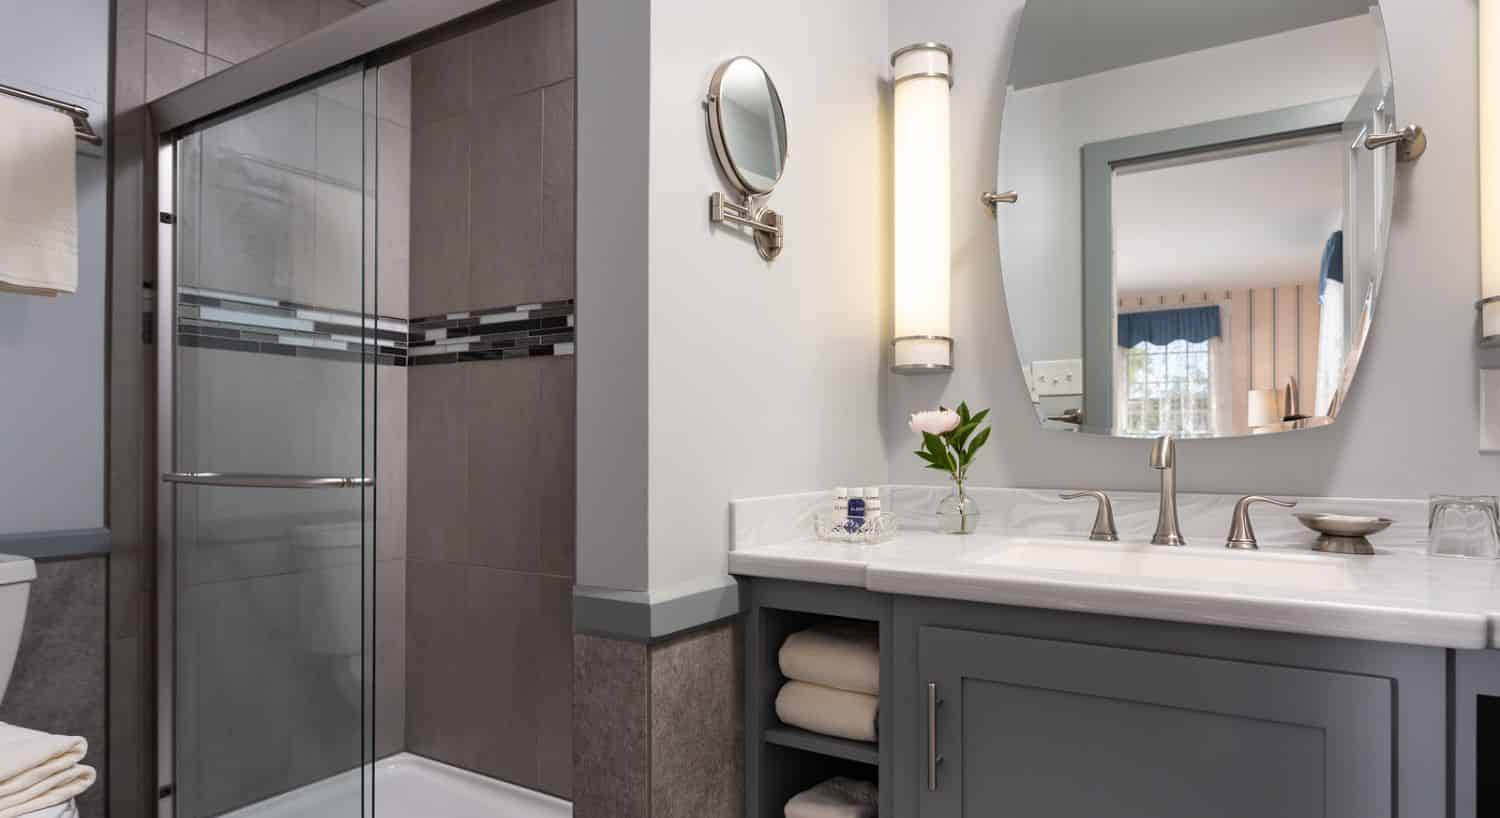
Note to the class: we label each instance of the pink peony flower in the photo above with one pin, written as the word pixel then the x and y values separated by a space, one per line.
pixel 937 421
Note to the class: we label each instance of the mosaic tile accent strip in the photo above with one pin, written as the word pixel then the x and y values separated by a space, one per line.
pixel 216 319
pixel 520 331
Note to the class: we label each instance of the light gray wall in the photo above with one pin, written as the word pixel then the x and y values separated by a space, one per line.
pixel 52 349
pixel 1410 426
pixel 614 171
pixel 764 376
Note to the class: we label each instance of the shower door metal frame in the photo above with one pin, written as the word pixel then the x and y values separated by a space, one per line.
pixel 368 39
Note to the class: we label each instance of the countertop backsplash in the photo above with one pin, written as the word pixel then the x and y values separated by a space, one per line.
pixel 762 521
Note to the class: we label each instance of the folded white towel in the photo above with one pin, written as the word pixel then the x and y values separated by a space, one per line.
pixel 39 770
pixel 828 711
pixel 58 789
pixel 39 208
pixel 844 655
pixel 836 798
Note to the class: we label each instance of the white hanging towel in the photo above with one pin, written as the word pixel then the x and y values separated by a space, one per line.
pixel 38 199
pixel 40 770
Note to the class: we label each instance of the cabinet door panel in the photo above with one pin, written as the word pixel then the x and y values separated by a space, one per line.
pixel 1032 728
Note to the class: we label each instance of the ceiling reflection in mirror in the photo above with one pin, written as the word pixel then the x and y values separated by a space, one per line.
pixel 1201 232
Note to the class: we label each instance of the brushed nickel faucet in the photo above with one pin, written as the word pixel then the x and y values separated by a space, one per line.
pixel 1164 460
pixel 1241 533
pixel 1104 518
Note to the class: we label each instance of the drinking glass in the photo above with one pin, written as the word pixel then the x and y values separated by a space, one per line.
pixel 1463 527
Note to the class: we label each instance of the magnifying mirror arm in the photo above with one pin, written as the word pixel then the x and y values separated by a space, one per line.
pixel 765 222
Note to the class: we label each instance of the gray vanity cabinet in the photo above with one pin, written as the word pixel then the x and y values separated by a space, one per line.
pixel 1011 712
pixel 1038 728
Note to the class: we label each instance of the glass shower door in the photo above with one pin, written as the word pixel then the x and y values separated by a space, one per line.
pixel 269 384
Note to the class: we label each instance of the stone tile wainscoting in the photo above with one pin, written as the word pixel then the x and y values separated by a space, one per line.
pixel 661 725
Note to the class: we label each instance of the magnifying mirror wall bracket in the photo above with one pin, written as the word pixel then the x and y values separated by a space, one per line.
pixel 765 222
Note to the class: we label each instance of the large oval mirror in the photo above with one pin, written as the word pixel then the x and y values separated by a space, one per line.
pixel 1201 229
pixel 748 125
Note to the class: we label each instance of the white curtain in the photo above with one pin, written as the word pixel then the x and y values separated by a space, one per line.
pixel 1330 347
pixel 1122 389
pixel 1221 381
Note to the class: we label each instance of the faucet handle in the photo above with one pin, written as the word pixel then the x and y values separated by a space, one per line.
pixel 1241 534
pixel 1104 519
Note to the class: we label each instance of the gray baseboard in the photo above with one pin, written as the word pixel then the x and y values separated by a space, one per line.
pixel 56 545
pixel 644 616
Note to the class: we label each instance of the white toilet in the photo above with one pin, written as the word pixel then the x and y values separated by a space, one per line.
pixel 16 576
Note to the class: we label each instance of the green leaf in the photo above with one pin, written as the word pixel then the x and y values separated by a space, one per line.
pixel 979 440
pixel 939 468
pixel 979 418
pixel 939 451
pixel 961 434
pixel 963 412
pixel 925 456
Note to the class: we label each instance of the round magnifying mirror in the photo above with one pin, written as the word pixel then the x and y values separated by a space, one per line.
pixel 748 126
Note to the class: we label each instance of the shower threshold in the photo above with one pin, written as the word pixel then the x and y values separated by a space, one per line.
pixel 410 786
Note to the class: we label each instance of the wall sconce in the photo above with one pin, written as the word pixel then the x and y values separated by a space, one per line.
pixel 922 75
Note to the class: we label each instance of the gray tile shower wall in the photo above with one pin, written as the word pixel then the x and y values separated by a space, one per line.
pixel 492 159
pixel 490 555
pixel 188 39
pixel 490 502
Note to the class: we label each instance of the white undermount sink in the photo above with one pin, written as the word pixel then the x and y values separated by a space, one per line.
pixel 1293 571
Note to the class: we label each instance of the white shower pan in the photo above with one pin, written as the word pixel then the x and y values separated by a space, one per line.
pixel 409 786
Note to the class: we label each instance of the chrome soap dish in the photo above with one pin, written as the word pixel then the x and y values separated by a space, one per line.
pixel 1344 533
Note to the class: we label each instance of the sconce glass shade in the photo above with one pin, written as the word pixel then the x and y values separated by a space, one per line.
pixel 923 79
pixel 1489 164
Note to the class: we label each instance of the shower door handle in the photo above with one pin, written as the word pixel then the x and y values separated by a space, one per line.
pixel 265 481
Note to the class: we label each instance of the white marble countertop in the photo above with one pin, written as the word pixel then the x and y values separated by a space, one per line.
pixel 1400 595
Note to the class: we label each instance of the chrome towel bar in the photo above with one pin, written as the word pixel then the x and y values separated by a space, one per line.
pixel 80 116
pixel 265 481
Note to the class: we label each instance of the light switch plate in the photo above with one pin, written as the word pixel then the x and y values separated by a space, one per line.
pixel 1053 379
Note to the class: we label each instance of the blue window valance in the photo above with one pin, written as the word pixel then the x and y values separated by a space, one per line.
pixel 1333 263
pixel 1162 327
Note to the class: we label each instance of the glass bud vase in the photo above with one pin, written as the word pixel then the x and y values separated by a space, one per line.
pixel 958 513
